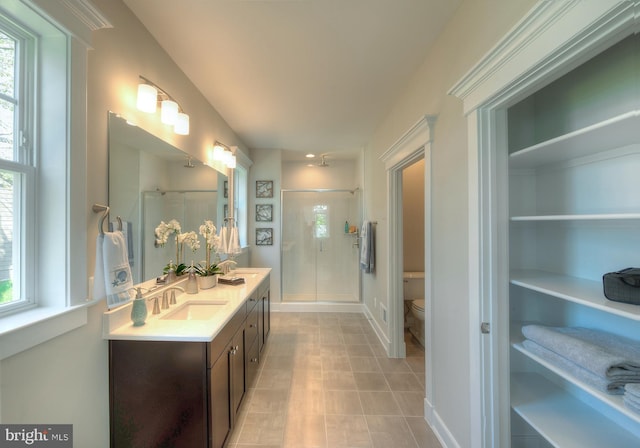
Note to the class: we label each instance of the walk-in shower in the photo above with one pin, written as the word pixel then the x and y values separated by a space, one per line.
pixel 320 245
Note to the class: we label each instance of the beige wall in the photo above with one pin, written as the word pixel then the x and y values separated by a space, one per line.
pixel 66 379
pixel 475 28
pixel 413 230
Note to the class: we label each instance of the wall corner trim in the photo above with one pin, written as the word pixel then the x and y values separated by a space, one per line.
pixel 415 137
pixel 525 46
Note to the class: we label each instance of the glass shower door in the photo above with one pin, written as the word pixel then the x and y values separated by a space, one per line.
pixel 319 258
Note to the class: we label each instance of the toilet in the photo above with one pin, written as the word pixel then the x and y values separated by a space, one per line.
pixel 414 304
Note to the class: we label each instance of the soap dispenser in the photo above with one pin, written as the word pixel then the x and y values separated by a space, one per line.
pixel 191 286
pixel 139 309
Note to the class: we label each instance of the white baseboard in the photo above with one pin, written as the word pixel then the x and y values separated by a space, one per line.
pixel 384 340
pixel 317 307
pixel 437 425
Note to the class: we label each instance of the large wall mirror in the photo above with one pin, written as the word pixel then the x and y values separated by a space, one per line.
pixel 152 181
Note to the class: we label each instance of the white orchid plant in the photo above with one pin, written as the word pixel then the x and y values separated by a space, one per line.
pixel 212 240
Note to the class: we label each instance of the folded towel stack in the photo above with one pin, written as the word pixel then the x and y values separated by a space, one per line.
pixel 603 360
pixel 631 396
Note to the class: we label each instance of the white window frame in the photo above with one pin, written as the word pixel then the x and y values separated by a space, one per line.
pixel 23 229
pixel 60 290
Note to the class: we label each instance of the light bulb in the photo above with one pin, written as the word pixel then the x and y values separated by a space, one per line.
pixel 147 98
pixel 182 124
pixel 168 112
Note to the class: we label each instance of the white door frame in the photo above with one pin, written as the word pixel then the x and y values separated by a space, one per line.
pixel 414 145
pixel 552 39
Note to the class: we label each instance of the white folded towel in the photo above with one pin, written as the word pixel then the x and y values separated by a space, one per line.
pixel 112 276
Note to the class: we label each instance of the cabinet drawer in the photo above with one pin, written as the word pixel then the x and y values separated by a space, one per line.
pixel 252 302
pixel 252 361
pixel 220 342
pixel 251 325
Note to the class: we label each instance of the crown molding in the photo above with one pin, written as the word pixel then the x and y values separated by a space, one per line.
pixel 419 135
pixel 553 32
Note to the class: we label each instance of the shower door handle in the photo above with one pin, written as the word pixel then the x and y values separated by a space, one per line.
pixel 320 245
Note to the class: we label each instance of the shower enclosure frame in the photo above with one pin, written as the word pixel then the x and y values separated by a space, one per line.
pixel 347 305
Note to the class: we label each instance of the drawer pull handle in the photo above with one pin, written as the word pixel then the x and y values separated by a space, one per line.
pixel 254 359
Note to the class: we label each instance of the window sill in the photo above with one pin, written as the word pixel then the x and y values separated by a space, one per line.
pixel 24 330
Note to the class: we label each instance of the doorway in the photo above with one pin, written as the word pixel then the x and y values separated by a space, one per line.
pixel 320 252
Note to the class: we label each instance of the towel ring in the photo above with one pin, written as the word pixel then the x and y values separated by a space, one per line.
pixel 97 208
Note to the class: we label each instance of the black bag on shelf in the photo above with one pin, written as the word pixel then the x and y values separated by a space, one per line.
pixel 623 286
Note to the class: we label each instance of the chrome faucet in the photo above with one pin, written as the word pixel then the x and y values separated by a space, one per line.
pixel 224 265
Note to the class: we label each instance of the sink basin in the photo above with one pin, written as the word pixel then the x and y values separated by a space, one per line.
pixel 196 310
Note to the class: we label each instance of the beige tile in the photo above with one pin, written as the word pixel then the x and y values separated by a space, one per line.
pixel 268 400
pixel 417 365
pixel 265 428
pixel 403 382
pixel 379 403
pixel 333 350
pixel 349 328
pixel 422 433
pixel 307 362
pixel 394 365
pixel 338 363
pixel 307 379
pixel 305 431
pixel 278 362
pixel 342 402
pixel 355 339
pixel 359 350
pixel 347 431
pixel 306 401
pixel 378 350
pixel 389 431
pixel 336 380
pixel 274 379
pixel 364 364
pixel 411 403
pixel 370 381
pixel 331 338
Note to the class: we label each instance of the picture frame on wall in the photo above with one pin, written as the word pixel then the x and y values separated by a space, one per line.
pixel 264 236
pixel 226 189
pixel 264 189
pixel 264 212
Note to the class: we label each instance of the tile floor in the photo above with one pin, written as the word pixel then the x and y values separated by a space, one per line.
pixel 326 382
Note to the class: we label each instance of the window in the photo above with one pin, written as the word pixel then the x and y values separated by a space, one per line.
pixel 17 173
pixel 43 185
pixel 321 215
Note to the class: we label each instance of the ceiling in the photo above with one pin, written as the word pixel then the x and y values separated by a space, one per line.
pixel 299 75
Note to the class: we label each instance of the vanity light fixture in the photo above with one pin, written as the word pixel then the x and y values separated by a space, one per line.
pixel 149 95
pixel 310 156
pixel 222 153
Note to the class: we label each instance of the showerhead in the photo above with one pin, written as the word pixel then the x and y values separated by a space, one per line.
pixel 323 163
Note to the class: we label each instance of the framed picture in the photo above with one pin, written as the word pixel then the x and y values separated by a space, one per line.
pixel 264 212
pixel 226 189
pixel 264 188
pixel 264 236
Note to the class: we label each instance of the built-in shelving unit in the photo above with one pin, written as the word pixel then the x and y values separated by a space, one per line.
pixel 574 214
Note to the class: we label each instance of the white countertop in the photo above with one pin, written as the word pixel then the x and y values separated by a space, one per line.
pixel 117 323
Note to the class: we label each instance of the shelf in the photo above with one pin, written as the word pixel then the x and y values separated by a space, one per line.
pixel 616 132
pixel 614 401
pixel 584 292
pixel 563 420
pixel 578 217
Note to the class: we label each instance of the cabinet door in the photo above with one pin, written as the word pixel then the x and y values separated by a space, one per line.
pixel 220 394
pixel 237 372
pixel 266 317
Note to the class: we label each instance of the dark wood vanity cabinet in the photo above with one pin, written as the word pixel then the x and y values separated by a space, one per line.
pixel 185 394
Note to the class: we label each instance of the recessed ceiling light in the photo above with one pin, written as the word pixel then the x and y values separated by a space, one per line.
pixel 310 156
